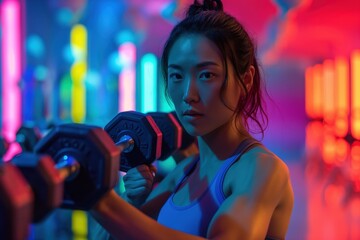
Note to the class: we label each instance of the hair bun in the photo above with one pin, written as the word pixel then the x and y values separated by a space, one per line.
pixel 208 5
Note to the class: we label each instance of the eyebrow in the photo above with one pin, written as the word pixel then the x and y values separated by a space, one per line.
pixel 199 65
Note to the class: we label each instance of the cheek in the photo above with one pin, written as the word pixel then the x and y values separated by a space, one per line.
pixel 233 93
pixel 210 94
pixel 174 92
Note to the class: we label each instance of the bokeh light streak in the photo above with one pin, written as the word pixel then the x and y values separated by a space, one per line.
pixel 127 77
pixel 318 91
pixel 329 91
pixel 309 93
pixel 355 94
pixel 149 72
pixel 342 107
pixel 78 43
pixel 11 68
pixel 78 72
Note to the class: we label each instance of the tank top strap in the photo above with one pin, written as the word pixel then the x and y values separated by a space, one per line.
pixel 244 146
pixel 241 149
pixel 188 171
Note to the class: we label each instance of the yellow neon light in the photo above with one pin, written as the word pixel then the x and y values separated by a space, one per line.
pixel 79 225
pixel 78 39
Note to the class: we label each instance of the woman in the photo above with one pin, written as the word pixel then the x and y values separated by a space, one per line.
pixel 235 188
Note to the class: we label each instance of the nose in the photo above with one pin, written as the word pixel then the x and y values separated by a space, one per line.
pixel 191 93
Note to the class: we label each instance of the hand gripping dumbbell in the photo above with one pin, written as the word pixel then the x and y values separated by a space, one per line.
pixel 73 166
pixel 153 136
pixel 16 203
pixel 142 135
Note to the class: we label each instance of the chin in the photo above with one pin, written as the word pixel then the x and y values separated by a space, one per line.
pixel 196 132
pixel 191 130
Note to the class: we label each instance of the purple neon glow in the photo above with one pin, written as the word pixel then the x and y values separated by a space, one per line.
pixel 11 72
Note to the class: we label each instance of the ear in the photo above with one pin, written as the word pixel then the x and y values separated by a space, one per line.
pixel 249 77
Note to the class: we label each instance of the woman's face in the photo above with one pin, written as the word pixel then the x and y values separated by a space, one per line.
pixel 195 76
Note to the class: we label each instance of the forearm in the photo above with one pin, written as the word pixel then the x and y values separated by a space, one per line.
pixel 124 221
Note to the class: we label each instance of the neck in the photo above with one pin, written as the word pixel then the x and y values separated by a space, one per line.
pixel 222 142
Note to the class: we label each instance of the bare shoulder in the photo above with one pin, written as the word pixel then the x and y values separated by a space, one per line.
pixel 268 162
pixel 257 193
pixel 257 167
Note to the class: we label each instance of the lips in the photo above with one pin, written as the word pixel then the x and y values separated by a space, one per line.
pixel 192 113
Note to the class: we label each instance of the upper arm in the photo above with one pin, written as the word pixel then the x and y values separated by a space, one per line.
pixel 247 211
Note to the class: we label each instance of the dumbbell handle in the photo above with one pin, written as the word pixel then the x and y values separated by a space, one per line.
pixel 125 144
pixel 67 167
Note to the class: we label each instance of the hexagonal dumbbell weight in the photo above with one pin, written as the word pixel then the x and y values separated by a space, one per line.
pixel 16 203
pixel 27 137
pixel 85 159
pixel 174 135
pixel 139 135
pixel 4 145
pixel 186 139
pixel 46 180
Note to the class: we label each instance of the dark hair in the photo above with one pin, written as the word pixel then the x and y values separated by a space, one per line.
pixel 233 41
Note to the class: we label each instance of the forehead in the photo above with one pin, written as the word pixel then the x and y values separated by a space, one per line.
pixel 192 49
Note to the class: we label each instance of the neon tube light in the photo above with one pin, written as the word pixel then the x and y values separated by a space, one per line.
pixel 149 83
pixel 11 59
pixel 329 91
pixel 78 43
pixel 318 91
pixel 355 96
pixel 78 72
pixel 127 77
pixel 309 93
pixel 342 105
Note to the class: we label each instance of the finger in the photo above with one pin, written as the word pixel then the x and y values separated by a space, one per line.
pixel 138 183
pixel 153 170
pixel 138 175
pixel 137 192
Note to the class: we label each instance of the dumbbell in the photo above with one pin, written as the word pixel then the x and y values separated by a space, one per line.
pixel 72 167
pixel 32 185
pixel 148 141
pixel 16 203
pixel 46 180
pixel 174 136
pixel 4 145
pixel 142 135
pixel 186 138
pixel 26 136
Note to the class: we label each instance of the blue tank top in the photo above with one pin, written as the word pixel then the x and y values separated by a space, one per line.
pixel 195 217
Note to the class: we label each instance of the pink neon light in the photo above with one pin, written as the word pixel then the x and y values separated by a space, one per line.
pixel 127 77
pixel 11 72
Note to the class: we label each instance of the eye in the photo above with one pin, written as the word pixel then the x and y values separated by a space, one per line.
pixel 206 76
pixel 175 77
